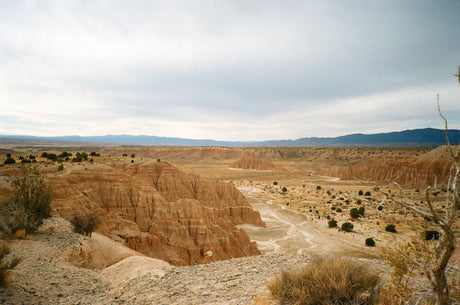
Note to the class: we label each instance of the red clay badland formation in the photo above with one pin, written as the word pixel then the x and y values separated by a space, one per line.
pixel 160 211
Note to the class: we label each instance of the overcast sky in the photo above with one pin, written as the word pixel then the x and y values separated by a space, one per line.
pixel 227 70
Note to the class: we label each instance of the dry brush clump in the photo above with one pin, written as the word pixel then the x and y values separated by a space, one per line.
pixel 6 264
pixel 30 203
pixel 432 257
pixel 327 281
pixel 86 224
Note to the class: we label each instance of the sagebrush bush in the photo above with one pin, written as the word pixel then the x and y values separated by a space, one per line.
pixel 30 203
pixel 327 281
pixel 86 224
pixel 370 242
pixel 354 213
pixel 347 227
pixel 390 228
pixel 332 223
pixel 6 264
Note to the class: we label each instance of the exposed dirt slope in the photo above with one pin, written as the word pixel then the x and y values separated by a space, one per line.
pixel 254 161
pixel 159 211
pixel 419 171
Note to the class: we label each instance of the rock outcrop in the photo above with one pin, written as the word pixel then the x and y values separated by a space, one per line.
pixel 159 211
pixel 254 161
pixel 420 171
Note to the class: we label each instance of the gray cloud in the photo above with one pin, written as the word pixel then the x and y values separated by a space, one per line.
pixel 226 69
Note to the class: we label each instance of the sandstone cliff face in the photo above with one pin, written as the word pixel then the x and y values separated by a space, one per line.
pixel 418 171
pixel 160 211
pixel 254 161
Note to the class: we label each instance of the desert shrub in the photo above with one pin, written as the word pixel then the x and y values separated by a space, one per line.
pixel 124 155
pixel 361 211
pixel 390 228
pixel 86 224
pixel 275 182
pixel 370 242
pixel 347 227
pixel 332 223
pixel 431 235
pixel 6 264
pixel 360 193
pixel 338 210
pixel 30 202
pixel 380 208
pixel 77 159
pixel 24 161
pixel 52 157
pixel 327 280
pixel 60 167
pixel 359 201
pixel 367 193
pixel 318 187
pixel 354 213
pixel 8 155
pixel 64 155
pixel 133 155
pixel 284 189
pixel 9 160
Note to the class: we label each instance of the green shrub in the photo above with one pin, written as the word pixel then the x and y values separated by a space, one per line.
pixel 318 187
pixel 338 210
pixel 354 213
pixel 361 211
pixel 370 242
pixel 360 193
pixel 347 227
pixel 275 182
pixel 284 189
pixel 367 193
pixel 64 155
pixel 431 235
pixel 358 201
pixel 332 223
pixel 125 155
pixel 52 157
pixel 8 155
pixel 77 159
pixel 86 224
pixel 327 281
pixel 6 264
pixel 390 228
pixel 133 155
pixel 9 160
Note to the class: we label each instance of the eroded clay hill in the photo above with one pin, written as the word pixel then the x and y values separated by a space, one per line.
pixel 416 171
pixel 254 161
pixel 160 211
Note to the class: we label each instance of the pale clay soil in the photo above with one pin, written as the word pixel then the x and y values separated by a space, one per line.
pixel 45 277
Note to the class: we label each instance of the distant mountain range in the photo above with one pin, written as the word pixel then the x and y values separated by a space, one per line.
pixel 414 137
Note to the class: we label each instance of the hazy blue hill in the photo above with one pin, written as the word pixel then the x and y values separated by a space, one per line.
pixel 414 137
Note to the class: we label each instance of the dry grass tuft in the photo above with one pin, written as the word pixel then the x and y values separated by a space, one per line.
pixel 327 281
pixel 6 264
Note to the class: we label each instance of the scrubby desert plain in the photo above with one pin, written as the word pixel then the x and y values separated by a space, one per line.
pixel 211 225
